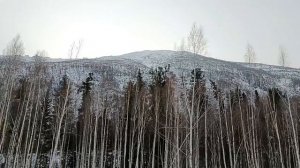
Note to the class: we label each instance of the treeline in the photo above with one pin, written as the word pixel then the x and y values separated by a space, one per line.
pixel 159 124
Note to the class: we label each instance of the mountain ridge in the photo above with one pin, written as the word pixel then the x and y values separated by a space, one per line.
pixel 228 75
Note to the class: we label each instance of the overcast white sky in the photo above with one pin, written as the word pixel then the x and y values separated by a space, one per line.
pixel 113 27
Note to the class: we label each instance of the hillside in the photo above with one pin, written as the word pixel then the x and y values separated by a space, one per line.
pixel 147 109
pixel 228 75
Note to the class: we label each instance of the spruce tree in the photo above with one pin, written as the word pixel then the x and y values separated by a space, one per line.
pixel 139 80
pixel 47 128
pixel 197 75
pixel 85 89
pixel 47 123
pixel 84 113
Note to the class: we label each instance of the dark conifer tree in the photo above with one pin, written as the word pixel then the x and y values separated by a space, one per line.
pixel 84 113
pixel 139 80
pixel 158 76
pixel 197 75
pixel 86 89
pixel 87 84
pixel 47 128
pixel 216 91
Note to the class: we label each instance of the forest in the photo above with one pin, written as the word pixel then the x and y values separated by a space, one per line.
pixel 161 123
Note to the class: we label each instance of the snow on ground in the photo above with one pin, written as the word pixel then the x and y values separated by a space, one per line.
pixel 228 75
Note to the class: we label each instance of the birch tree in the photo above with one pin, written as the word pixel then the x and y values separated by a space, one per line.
pixel 282 56
pixel 250 55
pixel 13 52
pixel 196 40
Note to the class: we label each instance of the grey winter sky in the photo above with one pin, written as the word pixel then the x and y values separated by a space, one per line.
pixel 113 27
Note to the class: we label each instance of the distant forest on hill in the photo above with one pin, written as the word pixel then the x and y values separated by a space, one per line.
pixel 162 123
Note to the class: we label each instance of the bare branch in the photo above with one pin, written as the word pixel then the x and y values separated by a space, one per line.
pixel 13 52
pixel 250 55
pixel 282 56
pixel 196 40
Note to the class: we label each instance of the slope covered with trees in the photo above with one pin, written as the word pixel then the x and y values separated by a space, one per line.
pixel 158 119
pixel 147 109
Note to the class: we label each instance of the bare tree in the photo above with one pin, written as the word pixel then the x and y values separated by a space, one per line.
pixel 78 48
pixel 41 53
pixel 15 47
pixel 40 56
pixel 71 50
pixel 250 55
pixel 196 40
pixel 196 43
pixel 75 49
pixel 13 51
pixel 282 56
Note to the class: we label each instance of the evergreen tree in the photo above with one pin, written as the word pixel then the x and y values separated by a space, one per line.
pixel 216 90
pixel 197 75
pixel 139 81
pixel 87 84
pixel 47 128
pixel 86 97
pixel 158 76
pixel 84 116
pixel 47 124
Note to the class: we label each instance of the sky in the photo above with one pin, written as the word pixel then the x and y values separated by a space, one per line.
pixel 114 27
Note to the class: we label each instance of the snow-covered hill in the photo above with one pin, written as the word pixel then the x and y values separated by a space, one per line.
pixel 228 75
